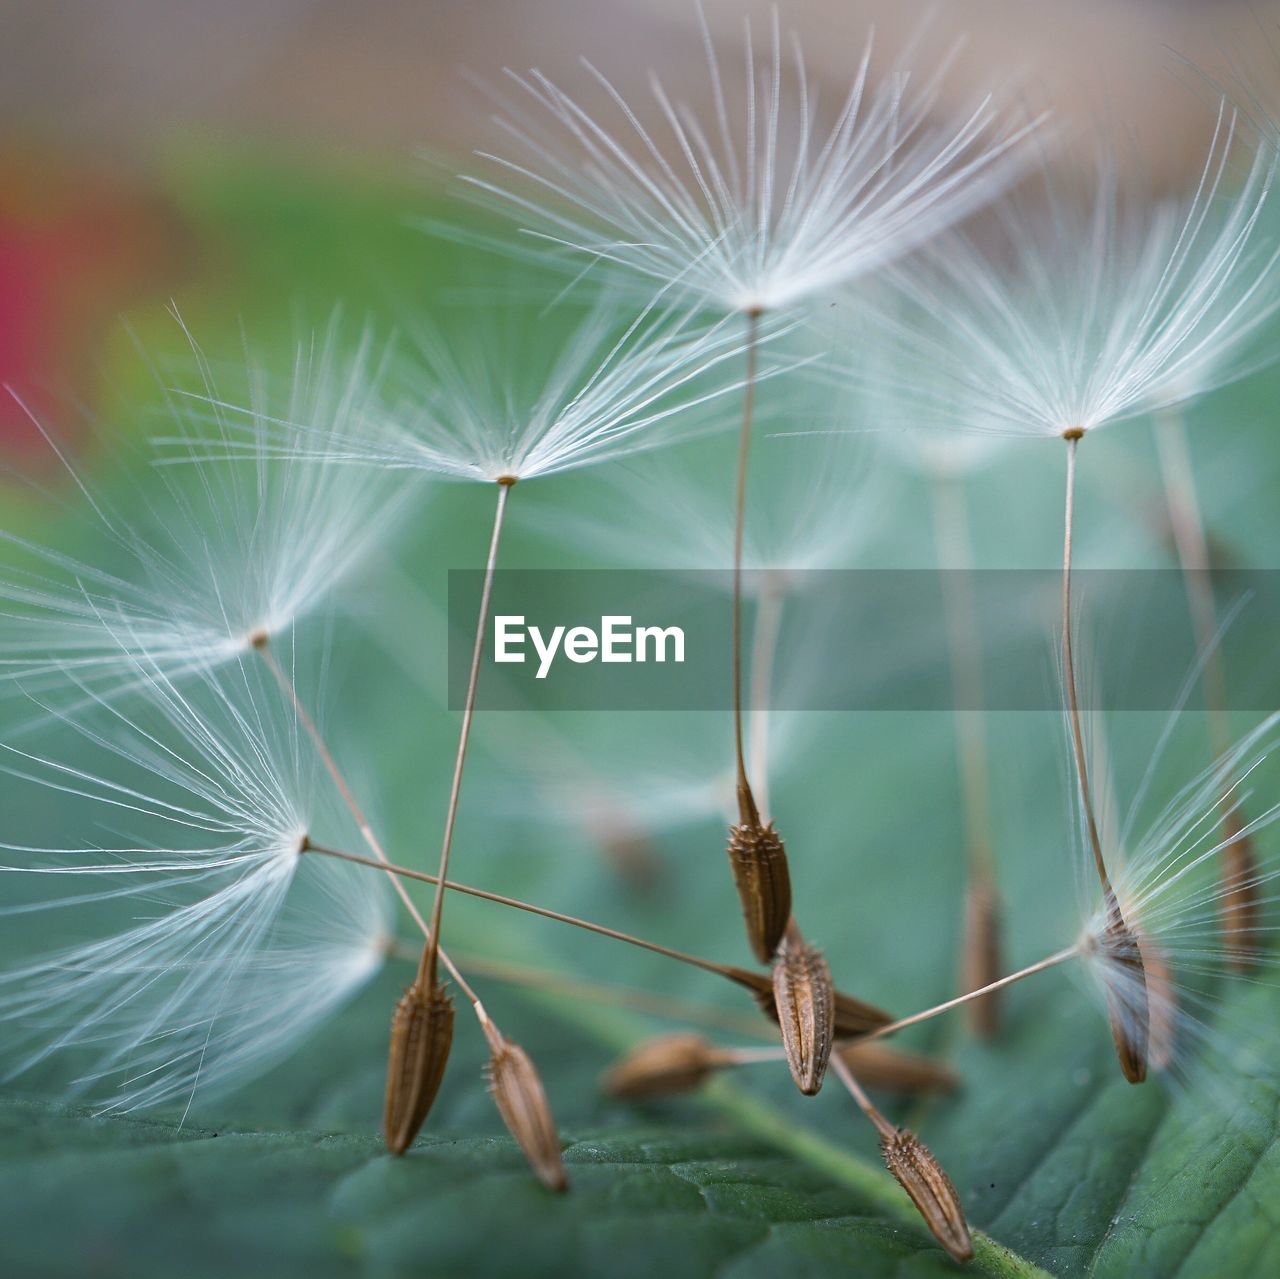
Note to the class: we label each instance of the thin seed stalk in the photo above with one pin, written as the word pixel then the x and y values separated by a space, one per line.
pixel 745 799
pixel 757 856
pixel 422 1023
pixel 1050 961
pixel 1130 1024
pixel 852 1016
pixel 464 731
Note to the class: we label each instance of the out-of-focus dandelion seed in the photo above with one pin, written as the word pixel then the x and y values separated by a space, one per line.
pixel 980 962
pixel 896 1071
pixel 669 1065
pixel 522 1101
pixel 1191 540
pixel 1241 904
pixel 664 1066
pixel 189 579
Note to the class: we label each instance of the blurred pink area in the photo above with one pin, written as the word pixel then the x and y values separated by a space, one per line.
pixel 94 95
pixel 76 246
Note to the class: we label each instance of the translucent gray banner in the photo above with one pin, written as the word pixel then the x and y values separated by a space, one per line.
pixel 863 640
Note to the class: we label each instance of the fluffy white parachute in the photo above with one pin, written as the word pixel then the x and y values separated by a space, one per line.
pixel 510 391
pixel 763 200
pixel 220 556
pixel 207 943
pixel 1076 314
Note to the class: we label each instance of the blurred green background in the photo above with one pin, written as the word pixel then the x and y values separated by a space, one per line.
pixel 256 237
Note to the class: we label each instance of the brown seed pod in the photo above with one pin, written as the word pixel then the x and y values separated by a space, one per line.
pixel 759 863
pixel 805 1001
pixel 980 963
pixel 421 1036
pixel 852 1017
pixel 892 1070
pixel 1128 1005
pixel 931 1190
pixel 661 1067
pixel 1240 905
pixel 522 1102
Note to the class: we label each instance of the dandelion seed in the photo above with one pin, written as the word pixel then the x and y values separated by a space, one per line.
pixel 917 1171
pixel 1167 889
pixel 1085 314
pixel 790 203
pixel 421 1036
pixel 1129 1016
pixel 763 881
pixel 805 1000
pixel 515 392
pixel 662 1067
pixel 522 1101
pixel 981 959
pixel 669 1065
pixel 850 1016
pixel 1152 938
pixel 194 578
pixel 243 947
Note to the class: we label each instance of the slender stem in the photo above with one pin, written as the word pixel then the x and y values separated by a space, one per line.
pixel 1069 675
pixel 550 982
pixel 366 831
pixel 331 766
pixel 745 799
pixel 865 1104
pixel 1052 961
pixel 464 732
pixel 722 970
pixel 763 646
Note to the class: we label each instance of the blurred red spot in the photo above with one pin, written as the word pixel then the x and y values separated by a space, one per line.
pixel 76 248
